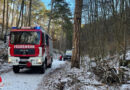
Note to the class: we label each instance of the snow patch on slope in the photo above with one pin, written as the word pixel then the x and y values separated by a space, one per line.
pixel 65 78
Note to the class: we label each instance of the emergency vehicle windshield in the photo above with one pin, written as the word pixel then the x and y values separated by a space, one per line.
pixel 25 37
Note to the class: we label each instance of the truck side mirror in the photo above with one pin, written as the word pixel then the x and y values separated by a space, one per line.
pixel 5 38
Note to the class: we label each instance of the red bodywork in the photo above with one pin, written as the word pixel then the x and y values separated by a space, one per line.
pixel 26 46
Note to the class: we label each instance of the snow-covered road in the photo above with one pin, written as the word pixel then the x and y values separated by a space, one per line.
pixel 27 79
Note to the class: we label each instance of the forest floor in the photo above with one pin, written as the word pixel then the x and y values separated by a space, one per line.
pixel 65 78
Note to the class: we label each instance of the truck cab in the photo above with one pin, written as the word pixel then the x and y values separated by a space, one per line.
pixel 30 47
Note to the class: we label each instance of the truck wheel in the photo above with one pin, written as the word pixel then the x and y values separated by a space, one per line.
pixel 46 64
pixel 50 64
pixel 16 69
pixel 42 68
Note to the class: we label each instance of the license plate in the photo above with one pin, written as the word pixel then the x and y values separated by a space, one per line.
pixel 23 60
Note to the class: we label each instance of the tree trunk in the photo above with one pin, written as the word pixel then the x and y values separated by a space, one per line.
pixel 17 14
pixel 7 17
pixel 3 19
pixel 75 62
pixel 12 18
pixel 22 15
pixel 125 29
pixel 30 12
pixel 26 15
pixel 49 23
pixel 22 5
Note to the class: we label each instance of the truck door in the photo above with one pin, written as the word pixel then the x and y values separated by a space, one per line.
pixel 43 44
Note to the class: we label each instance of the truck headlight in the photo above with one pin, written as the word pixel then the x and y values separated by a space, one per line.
pixel 9 60
pixel 39 61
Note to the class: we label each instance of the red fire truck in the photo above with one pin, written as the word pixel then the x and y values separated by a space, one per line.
pixel 30 47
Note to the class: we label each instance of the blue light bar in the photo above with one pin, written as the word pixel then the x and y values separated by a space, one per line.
pixel 37 27
pixel 14 28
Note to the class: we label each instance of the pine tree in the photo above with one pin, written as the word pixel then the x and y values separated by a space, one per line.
pixel 76 35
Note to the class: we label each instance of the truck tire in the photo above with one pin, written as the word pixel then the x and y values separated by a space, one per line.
pixel 16 69
pixel 46 63
pixel 50 64
pixel 43 68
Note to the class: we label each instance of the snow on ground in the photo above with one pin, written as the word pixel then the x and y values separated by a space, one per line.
pixel 128 55
pixel 27 79
pixel 65 78
pixel 2 45
pixel 5 67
